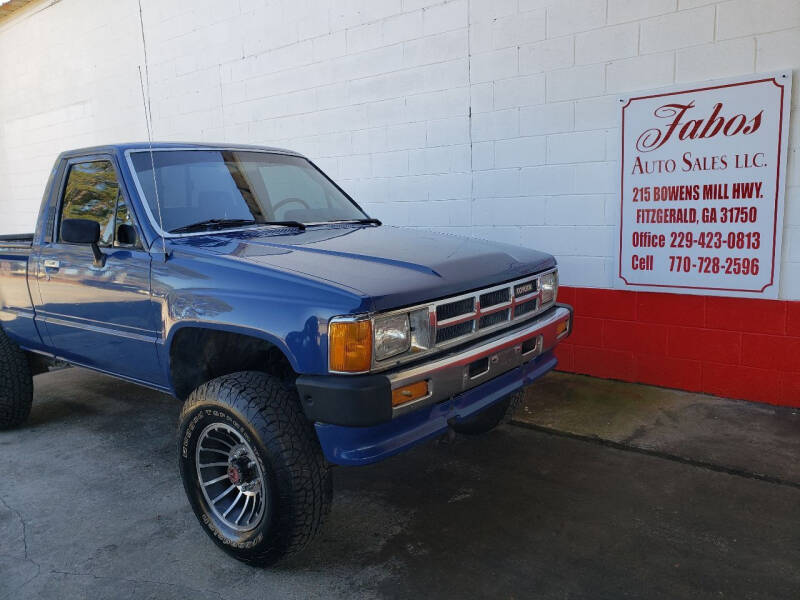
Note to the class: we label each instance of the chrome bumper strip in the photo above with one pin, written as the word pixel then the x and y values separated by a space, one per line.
pixel 449 375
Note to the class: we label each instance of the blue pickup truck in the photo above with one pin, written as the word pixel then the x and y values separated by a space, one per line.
pixel 298 332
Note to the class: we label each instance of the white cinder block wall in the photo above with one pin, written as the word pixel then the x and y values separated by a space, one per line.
pixel 491 118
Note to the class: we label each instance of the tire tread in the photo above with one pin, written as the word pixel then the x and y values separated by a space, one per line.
pixel 16 384
pixel 272 408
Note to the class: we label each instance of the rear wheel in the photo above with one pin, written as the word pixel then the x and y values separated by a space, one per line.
pixel 490 417
pixel 252 467
pixel 16 384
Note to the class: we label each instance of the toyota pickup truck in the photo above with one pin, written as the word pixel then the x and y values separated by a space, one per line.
pixel 298 332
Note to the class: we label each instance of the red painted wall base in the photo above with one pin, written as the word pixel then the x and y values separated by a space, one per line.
pixel 732 347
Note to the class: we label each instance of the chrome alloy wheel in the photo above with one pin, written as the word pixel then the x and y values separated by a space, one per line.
pixel 230 477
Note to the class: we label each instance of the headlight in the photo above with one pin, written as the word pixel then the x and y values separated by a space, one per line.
pixel 549 283
pixel 392 336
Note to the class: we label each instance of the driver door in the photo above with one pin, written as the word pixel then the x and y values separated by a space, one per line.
pixel 99 317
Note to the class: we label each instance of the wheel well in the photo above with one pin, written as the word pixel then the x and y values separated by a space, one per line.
pixel 199 355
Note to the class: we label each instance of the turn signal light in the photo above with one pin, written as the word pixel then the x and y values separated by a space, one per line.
pixel 410 392
pixel 350 346
pixel 562 328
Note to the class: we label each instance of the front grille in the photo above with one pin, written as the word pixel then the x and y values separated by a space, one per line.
pixel 451 310
pixel 451 332
pixel 524 308
pixel 464 317
pixel 495 297
pixel 493 319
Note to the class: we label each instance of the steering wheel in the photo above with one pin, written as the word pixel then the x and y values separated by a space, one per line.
pixel 299 201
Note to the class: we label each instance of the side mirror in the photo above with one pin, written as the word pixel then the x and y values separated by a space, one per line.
pixel 80 231
pixel 126 234
pixel 83 231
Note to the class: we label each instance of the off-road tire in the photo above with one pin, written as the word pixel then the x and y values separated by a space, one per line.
pixel 266 412
pixel 16 384
pixel 490 417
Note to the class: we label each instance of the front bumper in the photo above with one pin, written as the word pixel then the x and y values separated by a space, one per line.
pixel 357 424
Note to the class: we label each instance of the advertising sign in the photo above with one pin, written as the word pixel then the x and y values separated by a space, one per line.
pixel 702 187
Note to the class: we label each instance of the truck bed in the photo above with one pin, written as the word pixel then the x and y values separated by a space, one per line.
pixel 16 308
pixel 17 240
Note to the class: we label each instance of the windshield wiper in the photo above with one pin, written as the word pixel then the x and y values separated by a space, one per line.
pixel 210 223
pixel 359 221
pixel 221 223
pixel 297 224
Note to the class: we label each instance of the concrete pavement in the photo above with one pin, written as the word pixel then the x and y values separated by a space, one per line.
pixel 733 435
pixel 92 507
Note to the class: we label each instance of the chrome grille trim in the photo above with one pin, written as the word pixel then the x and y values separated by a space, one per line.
pixel 454 317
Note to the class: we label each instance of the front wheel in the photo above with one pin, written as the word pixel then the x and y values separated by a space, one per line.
pixel 252 467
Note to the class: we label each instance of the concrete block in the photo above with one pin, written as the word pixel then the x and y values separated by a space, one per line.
pixel 483 158
pixel 746 17
pixel 390 164
pixel 488 10
pixel 546 118
pixel 548 180
pixel 520 152
pixel 576 210
pixel 547 55
pixel 610 43
pixel 482 97
pixel 402 27
pixel 448 132
pixel 641 72
pixel 596 177
pixel 438 105
pixel 436 48
pixel 677 30
pixel 564 18
pixel 598 113
pixel 490 66
pixel 519 91
pixel 517 29
pixel 497 183
pixel 495 125
pixel 625 11
pixel 406 136
pixel 577 82
pixel 779 50
pixel 508 211
pixel 714 61
pixel 445 17
pixel 580 146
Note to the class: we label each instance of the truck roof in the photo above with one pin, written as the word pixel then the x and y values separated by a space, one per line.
pixel 125 146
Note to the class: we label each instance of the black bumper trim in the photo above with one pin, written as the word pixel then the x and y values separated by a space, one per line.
pixel 354 401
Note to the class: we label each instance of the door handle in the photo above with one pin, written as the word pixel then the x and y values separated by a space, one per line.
pixel 52 264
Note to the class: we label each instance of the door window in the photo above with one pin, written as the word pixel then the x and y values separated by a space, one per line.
pixel 91 193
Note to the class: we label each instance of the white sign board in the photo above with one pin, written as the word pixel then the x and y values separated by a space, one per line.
pixel 702 187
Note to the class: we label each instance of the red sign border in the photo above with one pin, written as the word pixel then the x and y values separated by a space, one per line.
pixel 777 184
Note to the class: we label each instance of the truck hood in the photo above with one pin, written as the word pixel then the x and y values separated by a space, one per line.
pixel 393 266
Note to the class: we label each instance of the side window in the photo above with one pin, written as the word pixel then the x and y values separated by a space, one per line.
pixel 91 193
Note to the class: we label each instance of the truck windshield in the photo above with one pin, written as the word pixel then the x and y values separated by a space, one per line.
pixel 237 188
